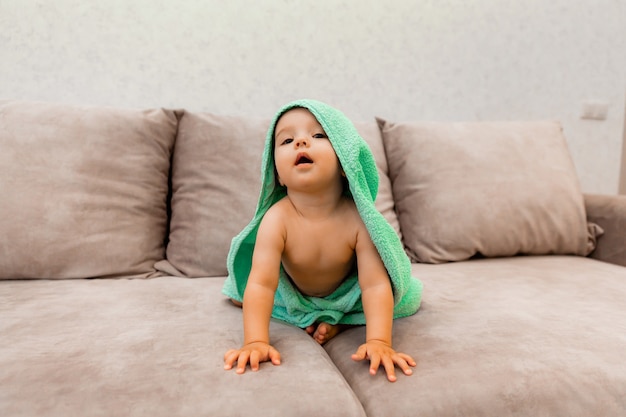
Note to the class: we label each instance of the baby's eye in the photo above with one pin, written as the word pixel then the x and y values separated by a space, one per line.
pixel 320 136
pixel 286 141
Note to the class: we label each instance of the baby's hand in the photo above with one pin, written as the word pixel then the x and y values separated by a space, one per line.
pixel 380 352
pixel 254 353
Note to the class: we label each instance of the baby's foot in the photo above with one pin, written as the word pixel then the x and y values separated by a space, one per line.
pixel 323 332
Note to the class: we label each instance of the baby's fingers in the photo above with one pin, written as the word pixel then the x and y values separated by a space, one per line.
pixel 274 356
pixel 244 356
pixel 374 363
pixel 409 359
pixel 360 354
pixel 390 368
pixel 230 357
pixel 254 360
pixel 403 364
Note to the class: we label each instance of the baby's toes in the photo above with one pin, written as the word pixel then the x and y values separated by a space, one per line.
pixel 321 333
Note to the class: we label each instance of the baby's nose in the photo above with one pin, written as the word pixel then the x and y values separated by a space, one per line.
pixel 301 142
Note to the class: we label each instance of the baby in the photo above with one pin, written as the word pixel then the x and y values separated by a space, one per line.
pixel 315 236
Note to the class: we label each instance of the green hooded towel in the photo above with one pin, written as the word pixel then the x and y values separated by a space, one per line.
pixel 344 305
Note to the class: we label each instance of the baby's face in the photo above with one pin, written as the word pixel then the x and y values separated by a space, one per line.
pixel 303 155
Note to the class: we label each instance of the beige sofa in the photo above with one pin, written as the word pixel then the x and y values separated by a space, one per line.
pixel 115 226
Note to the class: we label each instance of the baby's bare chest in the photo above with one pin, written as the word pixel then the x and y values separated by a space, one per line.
pixel 320 246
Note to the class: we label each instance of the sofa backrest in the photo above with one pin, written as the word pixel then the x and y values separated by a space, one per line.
pixel 101 192
pixel 91 192
pixel 83 190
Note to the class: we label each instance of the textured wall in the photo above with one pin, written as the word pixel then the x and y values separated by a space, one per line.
pixel 403 60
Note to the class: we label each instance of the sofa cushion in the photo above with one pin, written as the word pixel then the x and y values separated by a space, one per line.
pixel 385 204
pixel 84 190
pixel 215 185
pixel 521 336
pixel 484 188
pixel 150 348
pixel 608 212
pixel 216 172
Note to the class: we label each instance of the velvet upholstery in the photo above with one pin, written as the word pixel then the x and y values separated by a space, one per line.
pixel 215 166
pixel 150 348
pixel 484 188
pixel 522 336
pixel 84 190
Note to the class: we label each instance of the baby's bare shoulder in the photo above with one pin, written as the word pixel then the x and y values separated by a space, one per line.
pixel 278 208
pixel 352 212
pixel 275 214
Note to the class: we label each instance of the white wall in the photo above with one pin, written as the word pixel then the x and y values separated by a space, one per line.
pixel 403 60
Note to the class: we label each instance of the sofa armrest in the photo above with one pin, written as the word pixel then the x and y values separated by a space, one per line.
pixel 608 212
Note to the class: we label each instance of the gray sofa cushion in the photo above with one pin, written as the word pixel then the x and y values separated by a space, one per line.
pixel 83 190
pixel 489 188
pixel 523 336
pixel 150 348
pixel 215 183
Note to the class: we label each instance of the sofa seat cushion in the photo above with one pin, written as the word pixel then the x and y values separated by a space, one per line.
pixel 522 336
pixel 154 347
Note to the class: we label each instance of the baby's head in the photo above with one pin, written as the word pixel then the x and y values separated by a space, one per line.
pixel 303 154
pixel 349 151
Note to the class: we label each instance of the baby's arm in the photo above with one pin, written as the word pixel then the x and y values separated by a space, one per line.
pixel 377 296
pixel 258 299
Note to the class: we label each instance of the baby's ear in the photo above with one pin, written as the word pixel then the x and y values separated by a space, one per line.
pixel 343 173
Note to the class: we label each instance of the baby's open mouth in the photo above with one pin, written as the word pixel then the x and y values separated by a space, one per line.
pixel 303 159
